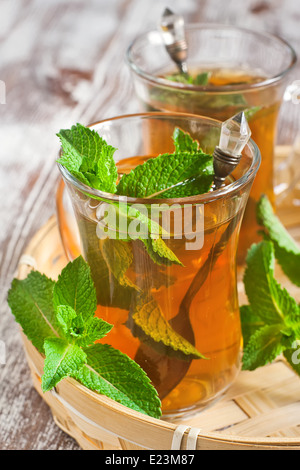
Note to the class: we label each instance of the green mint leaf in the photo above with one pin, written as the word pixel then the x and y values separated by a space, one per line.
pixel 109 291
pixel 75 288
pixel 118 257
pixel 250 323
pixel 62 360
pixel 160 253
pixel 263 347
pixel 186 79
pixel 116 376
pixel 202 78
pixel 193 186
pixel 251 112
pixel 95 329
pixel 31 303
pixel 157 249
pixel 267 298
pixel 158 174
pixel 154 329
pixel 127 223
pixel 149 274
pixel 287 252
pixel 224 101
pixel 189 171
pixel 277 232
pixel 88 157
pixel 183 142
pixel 183 78
pixel 80 332
pixel 65 316
pixel 146 230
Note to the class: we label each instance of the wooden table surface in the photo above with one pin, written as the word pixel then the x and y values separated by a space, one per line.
pixel 62 61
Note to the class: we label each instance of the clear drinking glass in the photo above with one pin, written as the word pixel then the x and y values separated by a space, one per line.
pixel 249 70
pixel 155 307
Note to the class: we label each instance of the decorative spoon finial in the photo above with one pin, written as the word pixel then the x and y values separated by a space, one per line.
pixel 173 33
pixel 235 133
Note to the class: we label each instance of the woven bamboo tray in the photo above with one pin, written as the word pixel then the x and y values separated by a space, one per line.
pixel 261 410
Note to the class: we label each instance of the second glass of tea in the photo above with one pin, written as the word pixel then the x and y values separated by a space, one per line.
pixel 164 314
pixel 246 70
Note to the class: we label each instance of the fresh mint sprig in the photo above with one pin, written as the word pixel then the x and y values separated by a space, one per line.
pixel 58 318
pixel 271 321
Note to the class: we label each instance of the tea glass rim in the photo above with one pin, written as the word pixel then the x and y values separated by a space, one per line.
pixel 198 199
pixel 207 88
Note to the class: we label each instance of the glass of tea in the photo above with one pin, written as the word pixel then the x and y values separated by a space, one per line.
pixel 178 320
pixel 230 69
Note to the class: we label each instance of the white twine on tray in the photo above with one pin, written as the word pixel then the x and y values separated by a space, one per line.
pixel 28 260
pixel 192 436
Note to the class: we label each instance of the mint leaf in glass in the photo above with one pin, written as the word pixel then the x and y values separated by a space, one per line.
pixel 183 142
pixel 88 157
pixel 200 79
pixel 118 257
pixel 155 330
pixel 147 230
pixel 159 252
pixel 183 78
pixel 186 172
pixel 157 175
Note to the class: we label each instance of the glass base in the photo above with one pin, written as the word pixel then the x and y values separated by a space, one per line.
pixel 186 413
